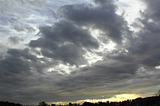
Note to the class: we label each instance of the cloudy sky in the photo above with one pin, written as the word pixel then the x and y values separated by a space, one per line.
pixel 64 51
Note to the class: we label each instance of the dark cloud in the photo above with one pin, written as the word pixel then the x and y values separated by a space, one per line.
pixel 152 10
pixel 29 56
pixel 23 79
pixel 126 69
pixel 146 46
pixel 66 32
pixel 12 65
pixel 99 75
pixel 102 1
pixel 102 17
pixel 22 53
pixel 67 54
pixel 152 60
pixel 14 72
pixel 65 41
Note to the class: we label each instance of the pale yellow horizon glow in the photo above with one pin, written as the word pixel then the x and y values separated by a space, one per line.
pixel 116 98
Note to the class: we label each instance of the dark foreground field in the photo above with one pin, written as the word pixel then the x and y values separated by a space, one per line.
pixel 148 101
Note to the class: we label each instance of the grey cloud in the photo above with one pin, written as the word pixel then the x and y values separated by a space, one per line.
pixel 22 53
pixel 15 11
pixel 23 28
pixel 23 62
pixel 28 94
pixel 65 42
pixel 121 56
pixel 124 78
pixel 146 46
pixel 24 76
pixel 153 60
pixel 22 82
pixel 146 43
pixel 12 65
pixel 14 72
pixel 152 10
pixel 9 4
pixel 43 43
pixel 66 54
pixel 102 17
pixel 102 1
pixel 42 65
pixel 65 31
pixel 98 76
pixel 15 39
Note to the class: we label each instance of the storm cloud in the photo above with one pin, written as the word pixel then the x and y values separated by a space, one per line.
pixel 87 52
pixel 101 17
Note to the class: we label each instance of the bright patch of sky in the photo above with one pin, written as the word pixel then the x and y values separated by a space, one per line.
pixel 131 9
pixel 116 98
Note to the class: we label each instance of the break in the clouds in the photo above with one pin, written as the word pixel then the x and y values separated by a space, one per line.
pixel 58 51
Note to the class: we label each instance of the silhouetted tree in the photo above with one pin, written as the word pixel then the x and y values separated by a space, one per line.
pixel 87 104
pixel 158 93
pixel 70 104
pixel 43 103
pixel 53 105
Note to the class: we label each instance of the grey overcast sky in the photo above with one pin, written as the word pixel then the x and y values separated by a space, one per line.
pixel 62 51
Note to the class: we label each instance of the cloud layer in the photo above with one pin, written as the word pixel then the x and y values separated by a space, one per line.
pixel 67 57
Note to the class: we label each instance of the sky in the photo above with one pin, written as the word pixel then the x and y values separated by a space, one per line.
pixel 62 51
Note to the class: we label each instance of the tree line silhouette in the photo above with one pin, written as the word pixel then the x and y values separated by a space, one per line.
pixel 148 101
pixel 2 103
